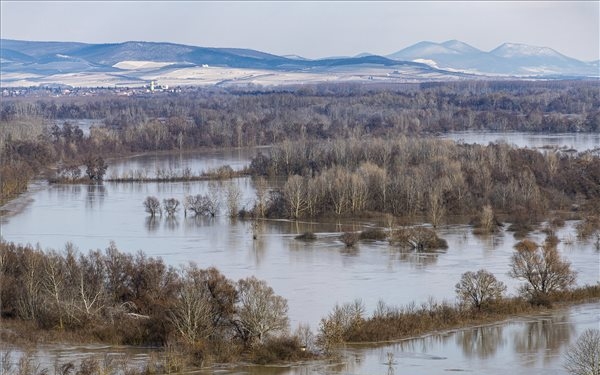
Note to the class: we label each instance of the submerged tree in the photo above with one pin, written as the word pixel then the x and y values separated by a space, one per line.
pixel 95 168
pixel 170 206
pixel 152 206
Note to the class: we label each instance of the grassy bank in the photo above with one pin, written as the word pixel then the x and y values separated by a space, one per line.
pixel 346 323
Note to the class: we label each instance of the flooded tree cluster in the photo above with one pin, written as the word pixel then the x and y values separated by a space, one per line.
pixel 427 177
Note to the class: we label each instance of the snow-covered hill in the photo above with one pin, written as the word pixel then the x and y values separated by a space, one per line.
pixel 508 59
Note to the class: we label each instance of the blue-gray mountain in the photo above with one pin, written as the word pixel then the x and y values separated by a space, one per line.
pixel 507 59
pixel 452 57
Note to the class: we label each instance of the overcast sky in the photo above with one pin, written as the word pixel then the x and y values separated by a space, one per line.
pixel 311 29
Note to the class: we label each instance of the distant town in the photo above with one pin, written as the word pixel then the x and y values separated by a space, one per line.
pixel 152 87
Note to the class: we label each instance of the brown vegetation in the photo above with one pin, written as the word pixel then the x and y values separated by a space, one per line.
pixel 241 117
pixel 542 268
pixel 110 296
pixel 348 323
pixel 426 177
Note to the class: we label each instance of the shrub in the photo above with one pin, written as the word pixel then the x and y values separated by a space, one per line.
pixel 349 239
pixel 373 234
pixel 418 238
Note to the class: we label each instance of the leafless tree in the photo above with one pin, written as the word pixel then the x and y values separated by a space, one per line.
pixel 191 314
pixel 583 358
pixel 542 268
pixel 54 282
pixel 170 206
pixel 260 311
pixel 261 196
pixel 152 206
pixel 294 192
pixel 479 288
pixel 233 197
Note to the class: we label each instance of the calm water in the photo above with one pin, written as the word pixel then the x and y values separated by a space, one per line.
pixel 578 141
pixel 313 276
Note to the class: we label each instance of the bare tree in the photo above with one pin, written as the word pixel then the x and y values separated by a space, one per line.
pixel 95 168
pixel 294 192
pixel 486 219
pixel 583 358
pixel 233 196
pixel 261 196
pixel 170 206
pixel 191 314
pixel 542 268
pixel 152 206
pixel 53 283
pixel 260 311
pixel 479 288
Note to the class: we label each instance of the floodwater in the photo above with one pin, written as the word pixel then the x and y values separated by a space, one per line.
pixel 312 276
pixel 576 141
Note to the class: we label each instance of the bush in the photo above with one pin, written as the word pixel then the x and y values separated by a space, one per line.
pixel 373 234
pixel 279 349
pixel 418 238
pixel 349 239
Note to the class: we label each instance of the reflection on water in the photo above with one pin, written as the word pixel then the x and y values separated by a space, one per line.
pixel 480 342
pixel 312 275
pixel 543 339
pixel 95 195
pixel 152 223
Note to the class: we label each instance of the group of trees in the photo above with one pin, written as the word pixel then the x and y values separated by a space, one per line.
pixel 208 204
pixel 135 299
pixel 425 176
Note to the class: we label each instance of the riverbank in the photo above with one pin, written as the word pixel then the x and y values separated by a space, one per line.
pixel 111 359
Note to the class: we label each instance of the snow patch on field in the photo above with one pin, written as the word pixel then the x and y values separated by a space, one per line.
pixel 427 62
pixel 138 65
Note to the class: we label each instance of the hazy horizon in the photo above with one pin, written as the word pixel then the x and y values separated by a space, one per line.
pixel 293 28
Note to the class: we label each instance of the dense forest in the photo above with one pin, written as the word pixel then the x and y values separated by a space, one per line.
pixel 36 133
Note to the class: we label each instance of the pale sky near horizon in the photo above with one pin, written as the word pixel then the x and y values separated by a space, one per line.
pixel 312 29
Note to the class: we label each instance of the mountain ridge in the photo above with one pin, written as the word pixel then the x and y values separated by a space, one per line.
pixel 507 59
pixel 38 62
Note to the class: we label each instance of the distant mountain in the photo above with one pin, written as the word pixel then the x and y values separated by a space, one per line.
pixel 507 59
pixel 36 57
pixel 136 62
